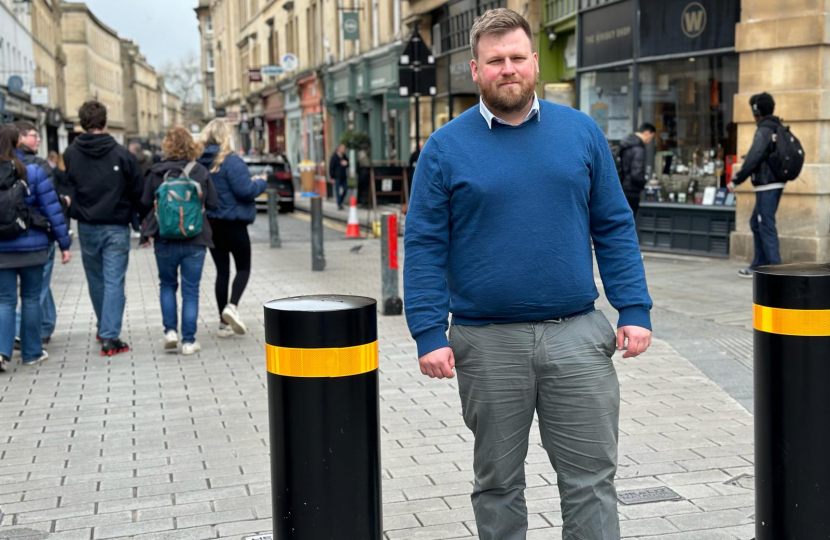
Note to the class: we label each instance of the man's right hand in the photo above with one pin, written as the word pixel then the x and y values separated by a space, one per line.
pixel 438 364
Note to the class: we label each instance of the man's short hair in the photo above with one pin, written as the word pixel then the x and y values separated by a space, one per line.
pixel 499 22
pixel 645 126
pixel 24 127
pixel 762 104
pixel 93 115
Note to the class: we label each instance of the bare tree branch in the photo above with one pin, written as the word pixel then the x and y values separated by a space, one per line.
pixel 184 78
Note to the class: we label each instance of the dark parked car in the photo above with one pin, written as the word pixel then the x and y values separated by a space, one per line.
pixel 277 172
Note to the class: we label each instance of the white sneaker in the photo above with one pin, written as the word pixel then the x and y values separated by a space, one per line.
pixel 171 341
pixel 191 348
pixel 42 358
pixel 232 316
pixel 225 331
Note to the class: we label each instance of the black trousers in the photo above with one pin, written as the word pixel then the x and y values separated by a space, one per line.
pixel 230 238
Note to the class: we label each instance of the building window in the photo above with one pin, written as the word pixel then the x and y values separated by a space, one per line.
pixel 209 24
pixel 210 65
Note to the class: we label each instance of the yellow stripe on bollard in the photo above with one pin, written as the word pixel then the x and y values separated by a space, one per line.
pixel 791 322
pixel 340 362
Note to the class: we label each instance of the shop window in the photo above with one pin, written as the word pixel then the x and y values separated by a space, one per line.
pixel 689 101
pixel 606 97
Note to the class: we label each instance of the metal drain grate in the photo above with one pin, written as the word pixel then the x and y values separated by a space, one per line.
pixel 642 496
pixel 739 348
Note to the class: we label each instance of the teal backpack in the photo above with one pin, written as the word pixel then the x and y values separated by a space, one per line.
pixel 179 205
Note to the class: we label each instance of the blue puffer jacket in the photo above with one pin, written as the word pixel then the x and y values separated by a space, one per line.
pixel 44 200
pixel 234 187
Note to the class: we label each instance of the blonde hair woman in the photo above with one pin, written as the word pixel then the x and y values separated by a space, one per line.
pixel 237 193
pixel 174 256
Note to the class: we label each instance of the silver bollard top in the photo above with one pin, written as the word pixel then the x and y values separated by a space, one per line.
pixel 795 269
pixel 321 321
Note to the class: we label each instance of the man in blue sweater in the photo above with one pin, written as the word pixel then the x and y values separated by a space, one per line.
pixel 506 201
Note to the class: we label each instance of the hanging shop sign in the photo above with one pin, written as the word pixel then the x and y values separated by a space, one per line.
pixel 687 26
pixel 607 34
pixel 39 95
pixel 254 75
pixel 351 25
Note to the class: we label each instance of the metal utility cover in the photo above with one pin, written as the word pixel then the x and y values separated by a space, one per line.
pixel 642 496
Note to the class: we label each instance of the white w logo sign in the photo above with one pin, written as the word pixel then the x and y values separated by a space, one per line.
pixel 693 20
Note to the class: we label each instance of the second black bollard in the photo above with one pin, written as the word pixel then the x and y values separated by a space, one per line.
pixel 791 317
pixel 318 256
pixel 324 417
pixel 273 212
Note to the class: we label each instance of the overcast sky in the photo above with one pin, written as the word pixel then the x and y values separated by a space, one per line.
pixel 165 30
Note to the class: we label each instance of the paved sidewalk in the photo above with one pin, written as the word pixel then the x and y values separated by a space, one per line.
pixel 153 446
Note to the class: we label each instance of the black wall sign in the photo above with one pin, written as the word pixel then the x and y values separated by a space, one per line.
pixel 681 26
pixel 607 34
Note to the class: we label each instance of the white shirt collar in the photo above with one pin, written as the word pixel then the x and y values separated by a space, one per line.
pixel 489 117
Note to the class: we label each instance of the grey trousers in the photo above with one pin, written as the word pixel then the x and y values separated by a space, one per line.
pixel 563 371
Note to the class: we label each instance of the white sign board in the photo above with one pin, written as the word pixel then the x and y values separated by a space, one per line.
pixel 40 95
pixel 289 62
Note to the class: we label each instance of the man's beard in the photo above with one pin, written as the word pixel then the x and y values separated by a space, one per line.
pixel 508 100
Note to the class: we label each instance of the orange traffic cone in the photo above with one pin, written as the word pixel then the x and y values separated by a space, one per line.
pixel 353 225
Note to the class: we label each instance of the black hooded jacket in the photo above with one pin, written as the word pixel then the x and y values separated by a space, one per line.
pixel 633 165
pixel 755 162
pixel 105 181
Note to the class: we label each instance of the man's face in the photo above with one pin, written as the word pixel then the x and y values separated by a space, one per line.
pixel 341 149
pixel 31 139
pixel 506 71
pixel 648 136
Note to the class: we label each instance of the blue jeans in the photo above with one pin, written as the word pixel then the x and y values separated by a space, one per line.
pixel 31 284
pixel 106 253
pixel 47 302
pixel 763 228
pixel 170 256
pixel 341 187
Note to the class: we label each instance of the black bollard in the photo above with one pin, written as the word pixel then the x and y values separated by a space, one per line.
pixel 324 417
pixel 273 211
pixel 792 401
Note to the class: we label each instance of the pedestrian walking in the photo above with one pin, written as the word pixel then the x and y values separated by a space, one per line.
pixel 237 193
pixel 30 220
pixel 143 157
pixel 768 188
pixel 174 185
pixel 106 185
pixel 506 202
pixel 28 146
pixel 339 172
pixel 632 164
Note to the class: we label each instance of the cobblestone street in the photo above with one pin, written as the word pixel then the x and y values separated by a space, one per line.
pixel 149 445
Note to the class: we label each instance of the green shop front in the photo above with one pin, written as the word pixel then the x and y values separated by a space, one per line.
pixel 362 95
pixel 557 50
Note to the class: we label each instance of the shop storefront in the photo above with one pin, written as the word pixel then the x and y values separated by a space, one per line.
pixel 294 126
pixel 557 52
pixel 274 115
pixel 314 130
pixel 362 95
pixel 675 67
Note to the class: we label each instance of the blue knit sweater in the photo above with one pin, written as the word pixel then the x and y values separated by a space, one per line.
pixel 501 221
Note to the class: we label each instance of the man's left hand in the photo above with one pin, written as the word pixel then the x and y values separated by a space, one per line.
pixel 638 338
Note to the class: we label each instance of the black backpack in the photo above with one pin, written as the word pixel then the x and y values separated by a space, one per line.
pixel 15 216
pixel 786 156
pixel 617 153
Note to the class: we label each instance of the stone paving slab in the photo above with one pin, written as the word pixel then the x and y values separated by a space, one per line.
pixel 151 445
